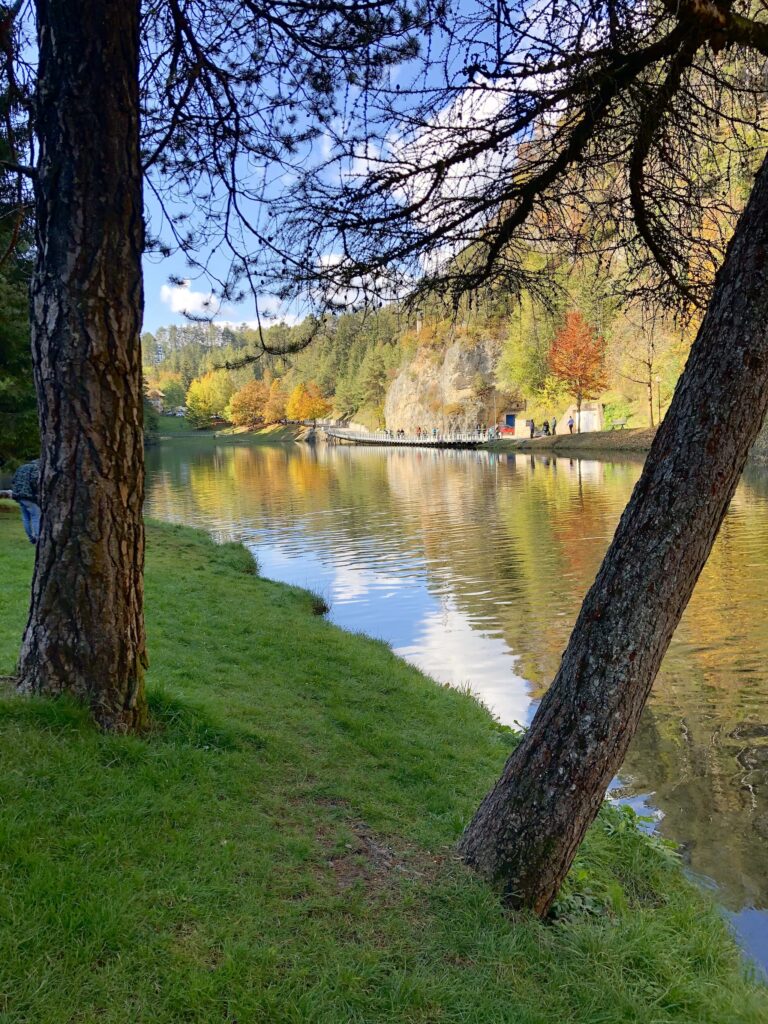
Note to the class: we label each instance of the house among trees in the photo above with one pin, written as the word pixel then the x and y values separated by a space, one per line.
pixel 156 399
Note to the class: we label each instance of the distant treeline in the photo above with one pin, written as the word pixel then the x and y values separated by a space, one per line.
pixel 353 357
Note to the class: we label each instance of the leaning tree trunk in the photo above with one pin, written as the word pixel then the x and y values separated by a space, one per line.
pixel 526 832
pixel 85 633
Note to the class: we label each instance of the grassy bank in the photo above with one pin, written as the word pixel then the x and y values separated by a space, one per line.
pixel 172 428
pixel 275 432
pixel 178 426
pixel 279 848
pixel 599 441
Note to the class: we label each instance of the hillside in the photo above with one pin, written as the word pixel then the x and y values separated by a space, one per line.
pixel 404 369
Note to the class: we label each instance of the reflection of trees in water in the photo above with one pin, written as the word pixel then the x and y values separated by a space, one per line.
pixel 516 543
pixel 708 771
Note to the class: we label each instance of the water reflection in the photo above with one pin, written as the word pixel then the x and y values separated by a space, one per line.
pixel 474 566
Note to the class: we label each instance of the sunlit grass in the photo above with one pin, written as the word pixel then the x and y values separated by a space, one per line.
pixel 279 848
pixel 271 434
pixel 179 426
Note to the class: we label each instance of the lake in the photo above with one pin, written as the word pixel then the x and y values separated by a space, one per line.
pixel 473 566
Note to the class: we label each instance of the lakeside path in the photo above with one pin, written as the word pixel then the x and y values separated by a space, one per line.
pixel 607 441
pixel 594 443
pixel 280 847
pixel 603 444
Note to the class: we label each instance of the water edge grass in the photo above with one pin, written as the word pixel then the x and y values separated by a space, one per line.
pixel 279 848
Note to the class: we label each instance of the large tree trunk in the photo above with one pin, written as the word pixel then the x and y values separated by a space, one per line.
pixel 85 633
pixel 526 832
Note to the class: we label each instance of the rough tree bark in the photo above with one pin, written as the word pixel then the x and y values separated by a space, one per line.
pixel 85 633
pixel 525 834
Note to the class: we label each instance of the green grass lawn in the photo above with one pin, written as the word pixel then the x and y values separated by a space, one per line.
pixel 279 849
pixel 179 426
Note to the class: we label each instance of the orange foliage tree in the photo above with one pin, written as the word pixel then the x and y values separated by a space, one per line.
pixel 577 359
pixel 274 409
pixel 247 406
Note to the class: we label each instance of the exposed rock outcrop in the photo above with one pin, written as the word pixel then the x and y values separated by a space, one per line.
pixel 450 389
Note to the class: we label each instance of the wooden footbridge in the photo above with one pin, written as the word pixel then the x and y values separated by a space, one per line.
pixel 395 439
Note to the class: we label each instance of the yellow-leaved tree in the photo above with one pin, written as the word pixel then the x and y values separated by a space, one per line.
pixel 208 396
pixel 274 409
pixel 306 403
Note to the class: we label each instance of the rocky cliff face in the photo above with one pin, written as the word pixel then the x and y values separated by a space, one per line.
pixel 449 389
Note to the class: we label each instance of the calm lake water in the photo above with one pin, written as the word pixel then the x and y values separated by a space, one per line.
pixel 473 566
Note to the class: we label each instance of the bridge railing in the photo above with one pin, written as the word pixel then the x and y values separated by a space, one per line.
pixel 394 437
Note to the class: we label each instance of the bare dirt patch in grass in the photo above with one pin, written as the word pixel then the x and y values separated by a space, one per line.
pixel 369 859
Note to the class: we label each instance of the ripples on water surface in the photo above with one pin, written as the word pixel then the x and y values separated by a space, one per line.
pixel 473 566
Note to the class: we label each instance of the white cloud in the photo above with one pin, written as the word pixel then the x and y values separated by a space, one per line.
pixel 473 117
pixel 182 299
pixel 273 311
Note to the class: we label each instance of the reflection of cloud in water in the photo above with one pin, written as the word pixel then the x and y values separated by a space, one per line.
pixel 751 928
pixel 452 651
pixel 358 596
pixel 351 584
pixel 433 635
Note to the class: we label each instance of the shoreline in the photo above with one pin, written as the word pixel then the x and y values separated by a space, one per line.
pixel 632 444
pixel 603 444
pixel 611 442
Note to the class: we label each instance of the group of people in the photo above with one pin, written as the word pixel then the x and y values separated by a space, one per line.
pixel 25 489
pixel 549 428
pixel 453 432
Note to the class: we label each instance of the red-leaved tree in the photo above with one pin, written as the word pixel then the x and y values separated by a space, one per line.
pixel 577 359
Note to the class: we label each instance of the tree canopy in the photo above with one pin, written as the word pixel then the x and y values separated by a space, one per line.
pixel 231 95
pixel 617 131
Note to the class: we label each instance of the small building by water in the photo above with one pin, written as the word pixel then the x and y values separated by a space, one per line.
pixel 592 418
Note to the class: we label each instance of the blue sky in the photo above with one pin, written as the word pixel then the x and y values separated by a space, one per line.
pixel 165 304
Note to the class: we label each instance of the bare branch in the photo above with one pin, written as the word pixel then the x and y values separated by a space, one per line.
pixel 14 168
